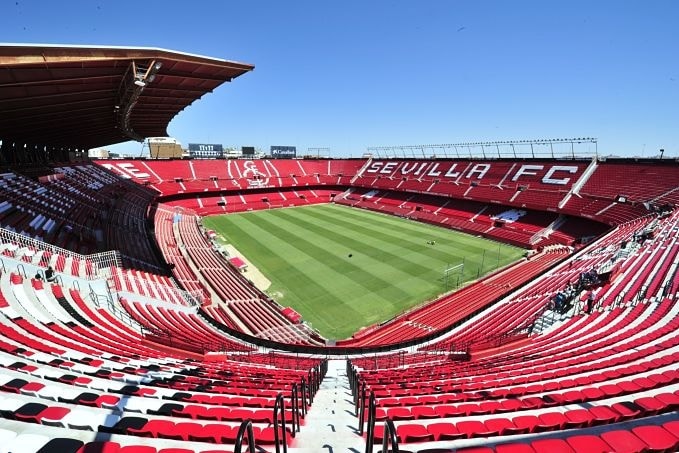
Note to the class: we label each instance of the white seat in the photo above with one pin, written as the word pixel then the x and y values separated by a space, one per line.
pixel 139 404
pixel 89 420
pixel 54 392
pixel 24 443
pixel 11 404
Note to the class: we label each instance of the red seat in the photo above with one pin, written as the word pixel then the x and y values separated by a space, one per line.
pixel 551 446
pixel 267 435
pixel 468 408
pixel 672 427
pixel 501 426
pixel 525 424
pixel 104 446
pixel 413 433
pixel 514 448
pixel 592 393
pixel 510 405
pixel 644 383
pixel 399 413
pixel 572 397
pixel 448 410
pixel 623 441
pixel 532 402
pixel 136 449
pixel 658 439
pixel 445 431
pixel 588 444
pixel 603 415
pixel 626 409
pixel 650 405
pixel 239 415
pixel 671 400
pixel 611 390
pixel 423 412
pixel 550 421
pixel 473 428
pixel 154 428
pixel 578 418
pixel 214 413
pixel 214 432
pixel 190 411
pixel 489 407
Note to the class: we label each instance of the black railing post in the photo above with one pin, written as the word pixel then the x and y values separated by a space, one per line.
pixel 303 388
pixel 294 399
pixel 245 428
pixel 389 436
pixel 369 441
pixel 279 406
pixel 360 395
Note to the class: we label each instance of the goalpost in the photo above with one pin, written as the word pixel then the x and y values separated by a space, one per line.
pixel 451 269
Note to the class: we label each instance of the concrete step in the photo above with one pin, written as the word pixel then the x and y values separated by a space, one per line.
pixel 331 426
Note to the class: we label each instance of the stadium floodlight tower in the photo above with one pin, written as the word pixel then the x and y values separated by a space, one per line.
pixel 137 76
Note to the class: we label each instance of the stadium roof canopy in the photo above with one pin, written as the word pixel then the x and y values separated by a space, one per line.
pixel 85 97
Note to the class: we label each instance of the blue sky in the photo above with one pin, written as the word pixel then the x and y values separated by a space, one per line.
pixel 352 74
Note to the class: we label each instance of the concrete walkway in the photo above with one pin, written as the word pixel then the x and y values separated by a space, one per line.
pixel 330 425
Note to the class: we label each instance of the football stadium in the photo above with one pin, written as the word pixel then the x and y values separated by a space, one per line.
pixel 492 296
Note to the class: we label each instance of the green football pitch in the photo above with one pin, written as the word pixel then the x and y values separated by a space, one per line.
pixel 344 268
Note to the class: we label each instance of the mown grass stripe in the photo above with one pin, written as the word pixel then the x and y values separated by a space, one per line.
pixel 342 235
pixel 314 292
pixel 329 258
pixel 416 242
pixel 304 252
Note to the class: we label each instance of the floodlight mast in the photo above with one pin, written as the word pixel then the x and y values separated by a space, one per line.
pixel 137 76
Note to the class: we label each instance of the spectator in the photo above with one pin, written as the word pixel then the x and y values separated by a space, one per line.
pixel 49 274
pixel 38 276
pixel 590 302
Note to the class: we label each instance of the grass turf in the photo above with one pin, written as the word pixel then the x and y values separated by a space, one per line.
pixel 343 268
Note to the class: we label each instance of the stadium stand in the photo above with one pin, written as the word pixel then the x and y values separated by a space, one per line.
pixel 68 364
pixel 123 327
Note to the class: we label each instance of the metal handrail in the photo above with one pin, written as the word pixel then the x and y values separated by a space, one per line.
pixel 389 436
pixel 360 407
pixel 369 441
pixel 279 407
pixel 245 429
pixel 294 400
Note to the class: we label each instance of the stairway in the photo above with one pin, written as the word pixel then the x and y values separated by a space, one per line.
pixel 330 425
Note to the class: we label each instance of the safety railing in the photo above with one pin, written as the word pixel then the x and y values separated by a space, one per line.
pixel 279 425
pixel 245 431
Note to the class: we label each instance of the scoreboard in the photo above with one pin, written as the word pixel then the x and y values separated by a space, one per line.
pixel 206 150
pixel 283 152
